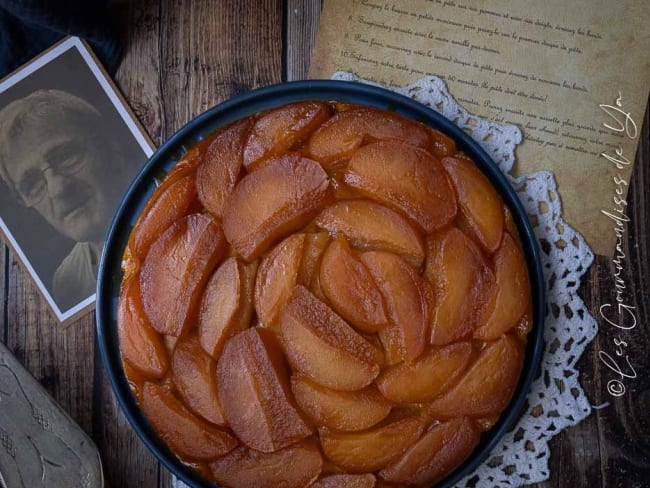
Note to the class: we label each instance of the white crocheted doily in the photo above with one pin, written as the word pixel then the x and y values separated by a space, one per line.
pixel 556 400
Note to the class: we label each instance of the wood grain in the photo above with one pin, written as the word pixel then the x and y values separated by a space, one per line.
pixel 301 27
pixel 183 57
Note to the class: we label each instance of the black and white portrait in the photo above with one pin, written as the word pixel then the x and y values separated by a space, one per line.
pixel 68 151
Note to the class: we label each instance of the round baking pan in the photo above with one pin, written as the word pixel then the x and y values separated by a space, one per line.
pixel 140 190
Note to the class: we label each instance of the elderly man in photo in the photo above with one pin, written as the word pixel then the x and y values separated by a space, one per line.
pixel 57 161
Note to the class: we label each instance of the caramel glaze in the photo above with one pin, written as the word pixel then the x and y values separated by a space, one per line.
pixel 462 292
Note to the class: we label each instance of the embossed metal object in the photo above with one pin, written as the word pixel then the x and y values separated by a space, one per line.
pixel 40 445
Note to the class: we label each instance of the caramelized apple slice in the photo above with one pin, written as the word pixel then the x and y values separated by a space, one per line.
pixel 193 376
pixel 169 203
pixel 486 387
pixel 276 277
pixel 315 244
pixel 186 434
pixel 134 378
pixel 391 341
pixel 406 300
pixel 405 178
pixel 372 227
pixel 430 375
pixel 226 306
pixel 319 344
pixel 462 282
pixel 294 466
pixel 510 225
pixel 525 324
pixel 348 130
pixel 340 410
pixel 372 449
pixel 346 481
pixel 255 394
pixel 277 130
pixel 350 288
pixel 316 288
pixel 441 144
pixel 278 198
pixel 140 344
pixel 479 202
pixel 512 291
pixel 486 423
pixel 438 452
pixel 217 175
pixel 175 270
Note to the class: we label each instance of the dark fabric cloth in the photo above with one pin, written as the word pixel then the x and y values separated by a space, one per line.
pixel 28 27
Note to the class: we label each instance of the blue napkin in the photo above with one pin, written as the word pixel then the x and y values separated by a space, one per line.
pixel 27 27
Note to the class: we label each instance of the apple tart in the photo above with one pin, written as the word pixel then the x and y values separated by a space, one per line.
pixel 324 295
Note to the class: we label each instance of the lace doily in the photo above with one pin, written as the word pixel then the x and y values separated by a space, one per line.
pixel 556 400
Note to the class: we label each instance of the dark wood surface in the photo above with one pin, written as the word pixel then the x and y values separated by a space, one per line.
pixel 182 58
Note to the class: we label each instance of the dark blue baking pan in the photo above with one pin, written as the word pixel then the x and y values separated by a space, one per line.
pixel 110 275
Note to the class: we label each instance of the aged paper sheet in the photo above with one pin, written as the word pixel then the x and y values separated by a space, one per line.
pixel 574 76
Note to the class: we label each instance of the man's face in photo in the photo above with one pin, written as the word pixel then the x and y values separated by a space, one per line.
pixel 63 171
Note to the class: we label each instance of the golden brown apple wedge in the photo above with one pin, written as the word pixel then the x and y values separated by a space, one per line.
pixel 322 346
pixel 140 344
pixel 486 423
pixel 406 178
pixel 407 303
pixel 370 226
pixel 436 454
pixel 462 282
pixel 487 386
pixel 367 480
pixel 441 145
pixel 227 305
pixel 166 206
pixel 512 292
pixel 373 449
pixel 340 410
pixel 479 202
pixel 350 288
pixel 171 201
pixel 341 135
pixel 392 343
pixel 193 374
pixel 177 266
pixel 185 433
pixel 315 244
pixel 276 277
pixel 277 199
pixel 275 131
pixel 255 394
pixel 316 288
pixel 428 376
pixel 217 175
pixel 296 466
pixel 510 226
pixel 525 324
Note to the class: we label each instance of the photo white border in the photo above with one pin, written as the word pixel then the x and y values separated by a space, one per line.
pixel 130 121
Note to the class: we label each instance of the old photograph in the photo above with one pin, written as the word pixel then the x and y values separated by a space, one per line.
pixel 69 147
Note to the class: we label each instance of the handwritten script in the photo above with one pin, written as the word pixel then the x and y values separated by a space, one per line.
pixel 620 314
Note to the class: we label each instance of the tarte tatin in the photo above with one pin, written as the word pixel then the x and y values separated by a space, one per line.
pixel 324 295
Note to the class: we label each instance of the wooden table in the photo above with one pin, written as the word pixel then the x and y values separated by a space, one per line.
pixel 184 57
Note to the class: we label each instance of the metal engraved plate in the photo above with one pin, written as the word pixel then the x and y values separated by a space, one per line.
pixel 40 445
